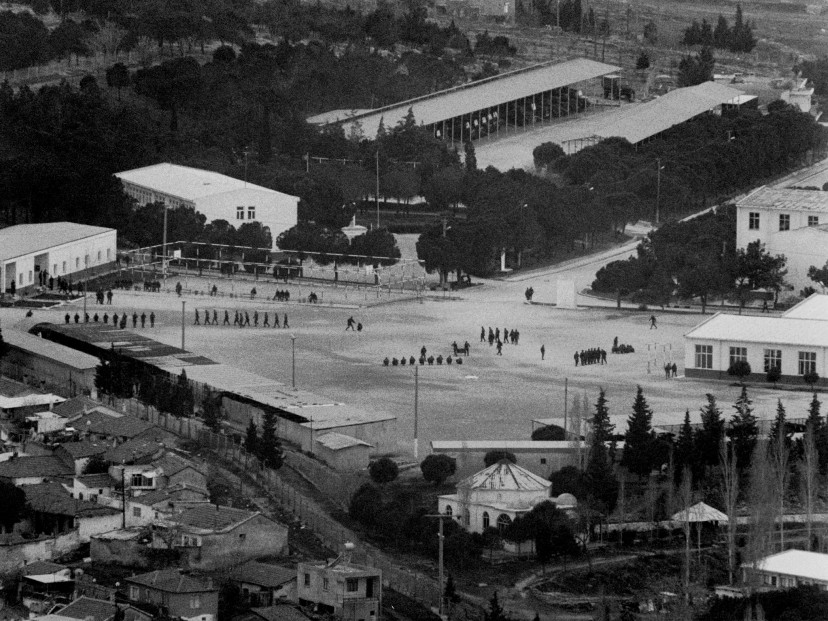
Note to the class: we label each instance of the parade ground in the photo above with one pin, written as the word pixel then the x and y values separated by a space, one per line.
pixel 488 396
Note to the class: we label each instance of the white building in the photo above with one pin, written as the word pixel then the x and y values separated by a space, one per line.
pixel 788 570
pixel 797 342
pixel 788 221
pixel 57 248
pixel 216 196
pixel 495 496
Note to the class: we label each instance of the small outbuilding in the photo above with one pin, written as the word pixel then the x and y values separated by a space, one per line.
pixel 343 452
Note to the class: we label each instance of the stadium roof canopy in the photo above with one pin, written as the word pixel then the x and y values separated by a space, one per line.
pixel 637 123
pixel 474 96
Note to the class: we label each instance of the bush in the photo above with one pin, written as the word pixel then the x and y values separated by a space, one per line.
pixel 740 369
pixel 811 378
pixel 383 470
pixel 549 433
pixel 492 457
pixel 437 468
pixel 363 505
pixel 773 375
pixel 547 153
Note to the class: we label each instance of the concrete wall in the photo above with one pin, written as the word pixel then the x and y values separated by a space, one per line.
pixel 257 537
pixel 88 527
pixel 13 557
pixel 117 552
pixel 19 362
pixel 350 459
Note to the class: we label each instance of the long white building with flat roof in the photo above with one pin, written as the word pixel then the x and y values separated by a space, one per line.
pixel 216 196
pixel 796 342
pixel 62 249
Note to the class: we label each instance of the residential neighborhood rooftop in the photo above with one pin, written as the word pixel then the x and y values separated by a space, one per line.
pixel 101 423
pixel 212 517
pixel 264 574
pixel 34 466
pixel 172 581
pixel 51 497
pixel 799 563
pixel 339 441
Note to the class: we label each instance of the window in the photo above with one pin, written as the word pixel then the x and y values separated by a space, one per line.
pixel 324 584
pixel 486 522
pixel 807 362
pixel 753 220
pixel 737 354
pixel 133 593
pixel 77 263
pixel 449 510
pixel 139 480
pixel 251 212
pixel 352 585
pixel 239 213
pixel 80 495
pixel 503 522
pixel 543 461
pixel 784 222
pixel 54 269
pixel 773 358
pixel 31 276
pixel 108 250
pixel 307 580
pixel 63 267
pixel 195 601
pixel 813 220
pixel 136 511
pixel 704 356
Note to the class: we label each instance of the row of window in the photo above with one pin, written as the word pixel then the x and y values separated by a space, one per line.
pixel 251 213
pixel 21 276
pixel 772 358
pixel 351 584
pixel 784 221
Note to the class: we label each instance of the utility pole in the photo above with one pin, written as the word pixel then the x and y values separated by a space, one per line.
pixel 293 363
pixel 183 304
pixel 658 188
pixel 164 243
pixel 377 192
pixel 123 496
pixel 416 400
pixel 441 538
pixel 566 404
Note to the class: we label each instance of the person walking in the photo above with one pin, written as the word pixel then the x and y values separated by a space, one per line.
pixel 115 319
pixel 215 317
pixel 109 297
pixel 466 348
pixel 499 347
pixel 143 320
pixel 134 319
pixel 653 322
pixel 152 319
pixel 576 358
pixel 68 318
pixel 226 318
pixel 256 319
pixel 350 325
pixel 285 322
pixel 266 322
pixel 197 321
pixel 482 334
pixel 178 288
pixel 543 352
pixel 77 318
pixel 674 369
pixel 95 318
pixel 276 321
pixel 246 318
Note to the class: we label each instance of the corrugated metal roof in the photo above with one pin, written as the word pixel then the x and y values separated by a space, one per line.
pixel 799 563
pixel 332 116
pixel 188 183
pixel 636 123
pixel 474 96
pixel 213 517
pixel 765 330
pixel 50 350
pixel 699 512
pixel 786 199
pixel 22 239
pixel 517 446
pixel 504 475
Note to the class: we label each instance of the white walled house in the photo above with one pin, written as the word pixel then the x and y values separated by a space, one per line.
pixel 58 248
pixel 788 570
pixel 216 196
pixel 797 342
pixel 792 222
pixel 494 497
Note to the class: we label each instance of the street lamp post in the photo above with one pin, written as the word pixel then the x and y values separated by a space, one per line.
pixel 183 304
pixel 293 361
pixel 658 188
pixel 164 244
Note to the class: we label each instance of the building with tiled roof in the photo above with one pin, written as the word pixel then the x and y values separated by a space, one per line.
pixel 263 584
pixel 100 424
pixel 495 496
pixel 79 453
pixel 35 469
pixel 181 595
pixel 55 511
pixel 75 407
pixel 282 611
pixel 211 536
pixel 90 609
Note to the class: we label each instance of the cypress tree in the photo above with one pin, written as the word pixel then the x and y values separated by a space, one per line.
pixel 779 423
pixel 269 448
pixel 251 439
pixel 684 455
pixel 638 457
pixel 743 430
pixel 816 424
pixel 601 483
pixel 710 435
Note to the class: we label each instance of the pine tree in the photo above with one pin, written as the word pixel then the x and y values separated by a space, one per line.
pixel 722 34
pixel 638 457
pixel 602 428
pixel 601 483
pixel 495 611
pixel 251 439
pixel 710 434
pixel 684 455
pixel 779 423
pixel 743 430
pixel 184 404
pixel 269 448
pixel 816 424
pixel 211 411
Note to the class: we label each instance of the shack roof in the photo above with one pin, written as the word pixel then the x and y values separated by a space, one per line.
pixel 263 574
pixel 50 350
pixel 172 581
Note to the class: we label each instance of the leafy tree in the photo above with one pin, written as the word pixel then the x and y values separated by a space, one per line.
pixel 13 505
pixel 363 505
pixel 378 242
pixel 546 154
pixel 117 76
pixel 819 275
pixel 639 440
pixel 620 277
pixel 211 411
pixel 643 60
pixel 96 465
pixel 438 468
pixel 493 457
pixel 773 374
pixel 383 470
pixel 471 158
pixel 224 54
pixel 172 84
pixel 550 433
pixel 251 438
pixel 569 480
pixel 25 41
pixel 268 447
pixel 740 369
pixel 743 430
pixel 756 269
pixel 811 378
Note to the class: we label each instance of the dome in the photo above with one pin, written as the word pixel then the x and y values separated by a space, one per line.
pixel 566 500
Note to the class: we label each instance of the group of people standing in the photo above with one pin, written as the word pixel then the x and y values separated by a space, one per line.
pixel 596 355
pixel 100 296
pixel 241 319
pixel 118 321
